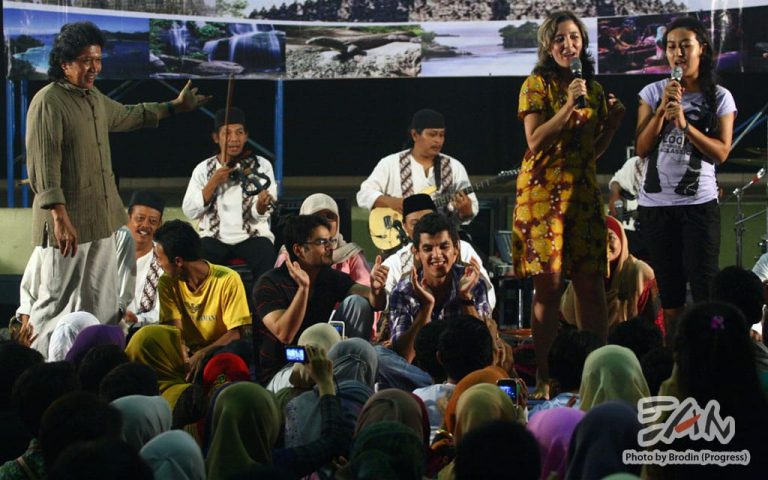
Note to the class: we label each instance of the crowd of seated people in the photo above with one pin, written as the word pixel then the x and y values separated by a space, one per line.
pixel 430 404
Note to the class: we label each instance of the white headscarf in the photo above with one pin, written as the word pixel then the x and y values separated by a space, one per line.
pixel 143 418
pixel 318 202
pixel 65 333
pixel 174 455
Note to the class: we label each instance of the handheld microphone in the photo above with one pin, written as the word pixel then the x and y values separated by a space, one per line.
pixel 581 102
pixel 398 225
pixel 677 73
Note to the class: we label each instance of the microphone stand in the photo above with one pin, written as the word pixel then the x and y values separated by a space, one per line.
pixel 739 228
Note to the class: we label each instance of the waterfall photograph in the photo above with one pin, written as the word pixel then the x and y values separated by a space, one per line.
pixel 189 49
pixel 29 36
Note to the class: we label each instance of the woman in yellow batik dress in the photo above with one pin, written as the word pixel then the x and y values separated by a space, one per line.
pixel 559 220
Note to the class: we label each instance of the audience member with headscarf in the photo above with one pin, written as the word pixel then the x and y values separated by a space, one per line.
pixel 479 405
pixel 224 368
pixel 553 429
pixel 612 373
pixel 354 368
pixel 160 347
pixel 174 455
pixel 93 336
pixel 395 405
pixel 599 440
pixel 66 332
pixel 496 450
pixel 348 257
pixel 385 450
pixel 143 418
pixel 630 287
pixel 321 335
pixel 246 426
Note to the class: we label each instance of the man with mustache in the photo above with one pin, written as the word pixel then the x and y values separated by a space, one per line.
pixel 77 207
pixel 145 215
pixel 233 223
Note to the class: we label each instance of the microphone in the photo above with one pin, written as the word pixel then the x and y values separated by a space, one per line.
pixel 581 102
pixel 760 174
pixel 677 73
pixel 398 225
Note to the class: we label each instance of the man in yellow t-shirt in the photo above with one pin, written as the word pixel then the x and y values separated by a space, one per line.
pixel 206 302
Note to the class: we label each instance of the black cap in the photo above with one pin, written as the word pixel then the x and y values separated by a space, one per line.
pixel 236 116
pixel 147 199
pixel 427 118
pixel 417 202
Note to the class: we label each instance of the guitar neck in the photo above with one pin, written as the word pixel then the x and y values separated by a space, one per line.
pixel 445 198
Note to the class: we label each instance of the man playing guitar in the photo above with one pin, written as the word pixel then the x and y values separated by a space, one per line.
pixel 420 169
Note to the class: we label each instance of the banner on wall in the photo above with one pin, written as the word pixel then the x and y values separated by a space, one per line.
pixel 316 39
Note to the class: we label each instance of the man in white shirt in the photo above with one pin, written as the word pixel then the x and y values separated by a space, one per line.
pixel 233 219
pixel 417 169
pixel 401 262
pixel 624 184
pixel 145 215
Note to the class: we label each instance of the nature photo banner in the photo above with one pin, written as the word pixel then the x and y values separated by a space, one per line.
pixel 436 38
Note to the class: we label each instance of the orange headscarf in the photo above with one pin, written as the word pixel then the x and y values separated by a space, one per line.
pixel 626 283
pixel 486 375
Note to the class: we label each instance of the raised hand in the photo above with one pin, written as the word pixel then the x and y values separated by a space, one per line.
pixel 297 274
pixel 189 99
pixel 469 279
pixel 320 369
pixel 379 274
pixel 421 290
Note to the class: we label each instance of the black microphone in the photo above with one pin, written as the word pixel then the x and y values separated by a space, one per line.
pixel 398 225
pixel 581 102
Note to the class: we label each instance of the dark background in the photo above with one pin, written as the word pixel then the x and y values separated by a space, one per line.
pixel 343 127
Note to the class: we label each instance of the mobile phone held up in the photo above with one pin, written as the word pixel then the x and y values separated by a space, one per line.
pixel 511 388
pixel 340 327
pixel 295 354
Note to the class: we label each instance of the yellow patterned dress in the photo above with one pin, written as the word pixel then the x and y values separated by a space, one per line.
pixel 559 220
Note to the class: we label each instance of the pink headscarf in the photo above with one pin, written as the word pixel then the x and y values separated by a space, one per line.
pixel 553 429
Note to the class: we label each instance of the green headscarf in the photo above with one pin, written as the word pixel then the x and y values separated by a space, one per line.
pixel 245 427
pixel 612 373
pixel 159 347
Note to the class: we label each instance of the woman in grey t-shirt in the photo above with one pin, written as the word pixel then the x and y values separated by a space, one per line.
pixel 685 129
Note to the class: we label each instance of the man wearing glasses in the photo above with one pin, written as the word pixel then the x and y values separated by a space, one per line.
pixel 305 290
pixel 77 207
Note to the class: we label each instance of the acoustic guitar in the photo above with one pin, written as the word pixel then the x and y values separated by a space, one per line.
pixel 385 224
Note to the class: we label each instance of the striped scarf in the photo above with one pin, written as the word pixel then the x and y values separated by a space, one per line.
pixel 213 210
pixel 406 180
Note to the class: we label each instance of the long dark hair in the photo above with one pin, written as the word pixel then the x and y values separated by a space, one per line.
pixel 546 65
pixel 707 75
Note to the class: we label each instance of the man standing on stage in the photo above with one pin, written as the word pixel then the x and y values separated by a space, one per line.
pixel 420 167
pixel 77 207
pixel 234 221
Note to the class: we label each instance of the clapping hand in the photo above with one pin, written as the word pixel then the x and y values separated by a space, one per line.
pixel 379 275
pixel 421 290
pixel 469 279
pixel 297 274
